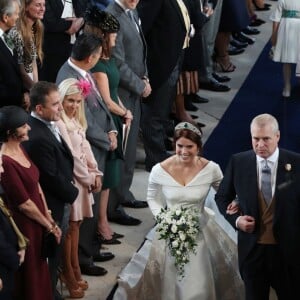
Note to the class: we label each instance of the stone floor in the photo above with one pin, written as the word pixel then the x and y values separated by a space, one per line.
pixel 208 113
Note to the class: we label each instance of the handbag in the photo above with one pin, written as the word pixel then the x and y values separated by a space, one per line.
pixel 49 245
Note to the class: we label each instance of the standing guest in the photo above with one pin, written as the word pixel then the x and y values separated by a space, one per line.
pixel 106 75
pixel 52 156
pixel 12 249
pixel 266 182
pixel 20 181
pixel 27 37
pixel 86 176
pixel 63 21
pixel 285 39
pixel 130 54
pixel 11 84
pixel 166 26
pixel 102 135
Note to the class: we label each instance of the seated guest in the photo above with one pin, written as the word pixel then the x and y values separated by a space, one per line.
pixel 102 135
pixel 25 198
pixel 11 84
pixel 87 179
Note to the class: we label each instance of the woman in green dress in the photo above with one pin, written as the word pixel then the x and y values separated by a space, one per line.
pixel 107 77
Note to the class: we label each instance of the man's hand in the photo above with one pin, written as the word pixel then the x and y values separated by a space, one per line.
pixel 113 140
pixel 147 90
pixel 246 223
pixel 75 26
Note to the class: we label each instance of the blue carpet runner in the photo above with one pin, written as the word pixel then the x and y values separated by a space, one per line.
pixel 260 93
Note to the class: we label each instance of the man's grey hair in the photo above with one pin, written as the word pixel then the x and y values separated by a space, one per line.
pixel 264 120
pixel 7 7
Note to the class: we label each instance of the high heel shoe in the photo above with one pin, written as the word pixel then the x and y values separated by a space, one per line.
pixel 73 293
pixel 83 284
pixel 223 67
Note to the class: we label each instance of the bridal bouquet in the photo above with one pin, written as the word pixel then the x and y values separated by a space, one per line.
pixel 179 227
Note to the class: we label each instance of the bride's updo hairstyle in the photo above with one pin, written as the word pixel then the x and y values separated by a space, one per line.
pixel 188 131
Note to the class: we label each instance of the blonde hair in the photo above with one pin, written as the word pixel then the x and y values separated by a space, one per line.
pixel 69 87
pixel 35 33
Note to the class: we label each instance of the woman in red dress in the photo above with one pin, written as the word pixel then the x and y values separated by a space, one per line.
pixel 20 181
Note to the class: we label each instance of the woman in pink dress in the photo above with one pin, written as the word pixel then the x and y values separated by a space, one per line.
pixel 87 179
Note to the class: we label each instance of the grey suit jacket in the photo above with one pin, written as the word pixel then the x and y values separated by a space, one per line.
pixel 99 119
pixel 130 53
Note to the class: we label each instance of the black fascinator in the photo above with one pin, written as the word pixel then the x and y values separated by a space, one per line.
pixel 101 19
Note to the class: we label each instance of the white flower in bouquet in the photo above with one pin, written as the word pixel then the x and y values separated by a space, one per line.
pixel 175 244
pixel 182 236
pixel 179 227
pixel 174 228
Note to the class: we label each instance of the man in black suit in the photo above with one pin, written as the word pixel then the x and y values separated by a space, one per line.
pixel 166 26
pixel 62 22
pixel 53 158
pixel 11 85
pixel 266 184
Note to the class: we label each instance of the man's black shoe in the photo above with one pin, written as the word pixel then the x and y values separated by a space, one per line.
pixel 92 270
pixel 235 51
pixel 103 256
pixel 240 36
pixel 58 296
pixel 188 105
pixel 135 204
pixel 221 78
pixel 214 85
pixel 238 44
pixel 257 22
pixel 125 220
pixel 196 98
pixel 249 30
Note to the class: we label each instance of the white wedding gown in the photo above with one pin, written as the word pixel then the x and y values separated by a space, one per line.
pixel 212 273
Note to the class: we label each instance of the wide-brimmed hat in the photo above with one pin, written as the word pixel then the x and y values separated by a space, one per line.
pixel 101 19
pixel 11 117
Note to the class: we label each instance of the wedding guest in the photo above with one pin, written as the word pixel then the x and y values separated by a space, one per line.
pixel 285 39
pixel 12 249
pixel 166 26
pixel 25 198
pixel 130 54
pixel 27 37
pixel 86 177
pixel 102 135
pixel 209 269
pixel 266 182
pixel 63 21
pixel 12 89
pixel 48 150
pixel 107 77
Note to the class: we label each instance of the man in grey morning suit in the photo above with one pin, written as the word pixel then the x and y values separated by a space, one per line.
pixel 130 56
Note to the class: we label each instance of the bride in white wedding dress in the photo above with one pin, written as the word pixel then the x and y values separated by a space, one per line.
pixel 184 180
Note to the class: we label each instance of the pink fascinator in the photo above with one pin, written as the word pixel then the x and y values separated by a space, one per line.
pixel 84 86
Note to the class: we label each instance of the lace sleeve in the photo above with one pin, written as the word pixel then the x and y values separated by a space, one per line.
pixel 18 43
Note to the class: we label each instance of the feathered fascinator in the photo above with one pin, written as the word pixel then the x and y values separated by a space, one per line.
pixel 103 20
